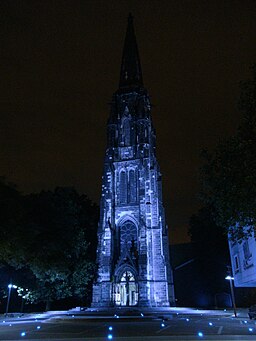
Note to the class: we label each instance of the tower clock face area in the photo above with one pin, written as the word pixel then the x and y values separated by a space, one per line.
pixel 133 249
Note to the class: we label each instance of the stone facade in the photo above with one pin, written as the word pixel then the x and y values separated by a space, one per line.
pixel 133 248
pixel 243 261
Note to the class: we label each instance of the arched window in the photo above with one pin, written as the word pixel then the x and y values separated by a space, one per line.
pixel 126 291
pixel 123 188
pixel 127 277
pixel 126 132
pixel 128 236
pixel 132 187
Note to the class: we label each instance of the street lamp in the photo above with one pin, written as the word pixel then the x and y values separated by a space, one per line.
pixel 230 279
pixel 10 286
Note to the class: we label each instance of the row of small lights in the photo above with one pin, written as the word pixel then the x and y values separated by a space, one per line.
pixel 110 328
pixel 200 334
pixel 24 333
pixel 110 335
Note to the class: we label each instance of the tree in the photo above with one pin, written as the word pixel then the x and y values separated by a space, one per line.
pixel 55 239
pixel 228 175
pixel 62 225
pixel 11 215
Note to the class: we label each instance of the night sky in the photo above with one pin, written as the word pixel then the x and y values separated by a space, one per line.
pixel 60 63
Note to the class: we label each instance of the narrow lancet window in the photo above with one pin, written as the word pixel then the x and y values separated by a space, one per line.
pixel 123 188
pixel 127 132
pixel 132 187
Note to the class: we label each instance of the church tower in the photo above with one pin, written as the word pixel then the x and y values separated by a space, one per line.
pixel 133 250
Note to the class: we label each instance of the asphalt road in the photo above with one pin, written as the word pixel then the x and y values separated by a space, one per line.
pixel 137 328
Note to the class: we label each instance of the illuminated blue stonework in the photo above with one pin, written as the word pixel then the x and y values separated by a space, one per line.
pixel 133 249
pixel 243 260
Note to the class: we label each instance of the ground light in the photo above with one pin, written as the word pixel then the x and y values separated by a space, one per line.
pixel 200 334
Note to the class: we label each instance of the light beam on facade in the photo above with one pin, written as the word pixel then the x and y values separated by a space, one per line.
pixel 133 247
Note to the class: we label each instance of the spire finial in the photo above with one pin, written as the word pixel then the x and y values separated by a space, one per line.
pixel 130 75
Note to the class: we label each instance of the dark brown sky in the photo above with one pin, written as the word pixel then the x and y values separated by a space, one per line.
pixel 59 65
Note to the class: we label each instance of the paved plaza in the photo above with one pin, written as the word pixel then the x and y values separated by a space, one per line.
pixel 130 324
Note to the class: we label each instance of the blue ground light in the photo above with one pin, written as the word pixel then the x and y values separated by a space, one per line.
pixel 23 334
pixel 200 334
pixel 110 328
pixel 110 336
pixel 38 327
pixel 250 329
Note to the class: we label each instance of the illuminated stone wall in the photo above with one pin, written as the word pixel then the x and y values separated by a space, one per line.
pixel 133 249
pixel 243 260
pixel 132 231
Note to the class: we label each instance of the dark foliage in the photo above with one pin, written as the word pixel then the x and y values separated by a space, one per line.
pixel 228 175
pixel 51 236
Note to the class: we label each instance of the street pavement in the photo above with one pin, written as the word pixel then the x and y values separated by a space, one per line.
pixel 129 324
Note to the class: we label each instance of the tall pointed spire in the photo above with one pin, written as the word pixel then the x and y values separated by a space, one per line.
pixel 130 75
pixel 133 237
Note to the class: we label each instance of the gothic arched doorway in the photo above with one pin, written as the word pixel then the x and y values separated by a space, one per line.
pixel 126 290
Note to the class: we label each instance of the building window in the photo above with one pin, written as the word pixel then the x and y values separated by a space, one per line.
pixel 126 291
pixel 123 188
pixel 132 187
pixel 127 276
pixel 236 263
pixel 128 236
pixel 247 255
pixel 127 133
